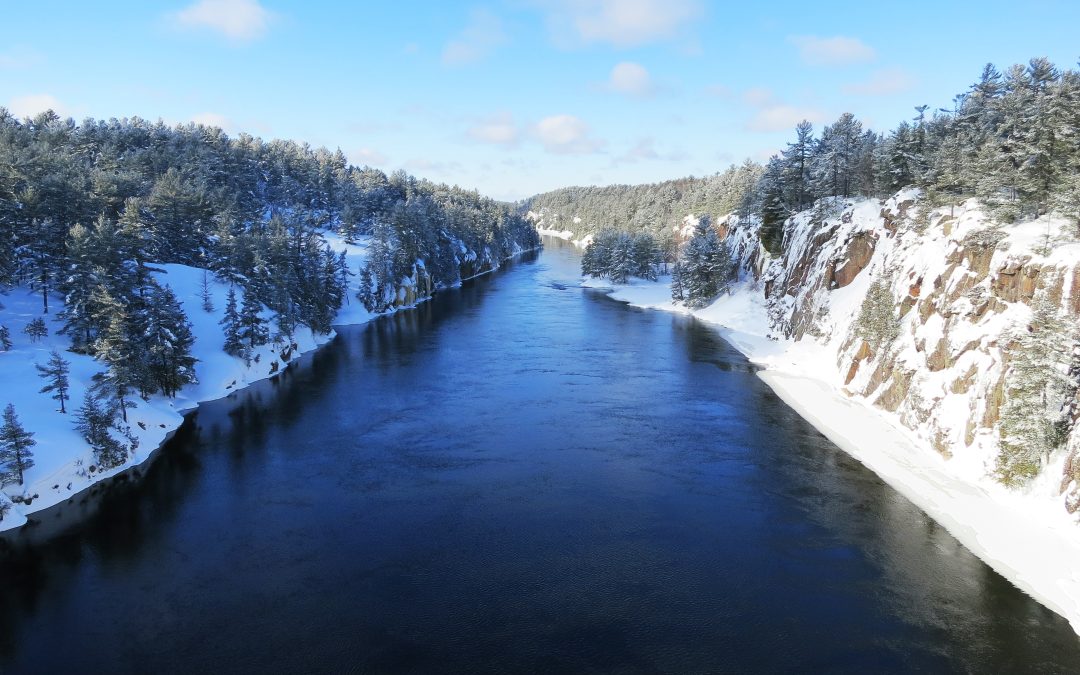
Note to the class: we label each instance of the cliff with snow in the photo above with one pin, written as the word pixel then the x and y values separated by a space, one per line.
pixel 960 289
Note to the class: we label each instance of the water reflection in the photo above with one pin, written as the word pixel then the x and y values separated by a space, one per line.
pixel 517 475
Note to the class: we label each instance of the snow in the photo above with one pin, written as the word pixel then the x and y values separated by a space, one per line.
pixel 62 458
pixel 1025 535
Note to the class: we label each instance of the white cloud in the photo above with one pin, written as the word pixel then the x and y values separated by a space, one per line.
pixel 758 96
pixel 32 104
pixel 367 156
pixel 832 51
pixel 621 23
pixel 883 83
pixel 631 79
pixel 498 130
pixel 481 36
pixel 782 117
pixel 238 20
pixel 566 135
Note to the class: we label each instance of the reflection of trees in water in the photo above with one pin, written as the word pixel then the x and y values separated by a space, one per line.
pixel 118 519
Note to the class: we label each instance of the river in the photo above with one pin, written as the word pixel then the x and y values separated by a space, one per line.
pixel 520 475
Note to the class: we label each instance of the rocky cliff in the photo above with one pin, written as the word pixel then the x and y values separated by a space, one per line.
pixel 962 290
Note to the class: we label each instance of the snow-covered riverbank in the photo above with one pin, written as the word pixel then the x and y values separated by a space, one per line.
pixel 63 462
pixel 1025 536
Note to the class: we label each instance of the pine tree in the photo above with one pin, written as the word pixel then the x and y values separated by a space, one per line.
pixel 56 373
pixel 166 343
pixel 878 322
pixel 677 294
pixel 621 260
pixel 366 293
pixel 797 161
pixel 116 349
pixel 36 329
pixel 706 266
pixel 207 296
pixel 252 329
pixel 15 444
pixel 231 324
pixel 1036 393
pixel 95 420
pixel 5 339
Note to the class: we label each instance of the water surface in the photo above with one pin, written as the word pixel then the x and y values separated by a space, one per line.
pixel 520 475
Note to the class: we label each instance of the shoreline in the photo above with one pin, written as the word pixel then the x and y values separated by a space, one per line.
pixel 22 518
pixel 1011 535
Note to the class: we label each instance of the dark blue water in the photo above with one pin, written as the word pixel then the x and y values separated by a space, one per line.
pixel 517 476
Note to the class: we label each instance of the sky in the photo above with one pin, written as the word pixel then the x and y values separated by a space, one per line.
pixel 516 97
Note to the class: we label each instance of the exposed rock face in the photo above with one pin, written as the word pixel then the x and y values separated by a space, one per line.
pixel 962 286
pixel 859 251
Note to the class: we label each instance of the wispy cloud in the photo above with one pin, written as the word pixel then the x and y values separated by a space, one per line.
pixel 368 156
pixel 483 34
pixel 29 105
pixel 758 97
pixel 631 79
pixel 771 113
pixel 620 23
pixel 782 117
pixel 832 51
pixel 566 135
pixel 498 129
pixel 212 119
pixel 239 21
pixel 883 83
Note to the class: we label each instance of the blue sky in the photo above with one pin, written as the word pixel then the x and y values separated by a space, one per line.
pixel 515 97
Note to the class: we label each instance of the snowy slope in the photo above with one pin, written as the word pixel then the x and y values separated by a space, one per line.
pixel 63 460
pixel 918 414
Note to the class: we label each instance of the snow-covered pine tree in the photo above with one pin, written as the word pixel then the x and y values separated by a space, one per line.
pixel 15 443
pixel 206 293
pixel 621 260
pixel 795 166
pixel 95 421
pixel 878 322
pixel 596 260
pixel 55 372
pixel 116 349
pixel 646 255
pixel 252 329
pixel 231 325
pixel 774 210
pixel 677 294
pixel 5 339
pixel 366 293
pixel 706 266
pixel 36 329
pixel 166 343
pixel 1036 389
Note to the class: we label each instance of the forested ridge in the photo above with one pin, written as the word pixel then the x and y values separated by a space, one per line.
pixel 1012 140
pixel 88 209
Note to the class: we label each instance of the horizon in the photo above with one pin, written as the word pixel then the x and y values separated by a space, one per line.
pixel 514 98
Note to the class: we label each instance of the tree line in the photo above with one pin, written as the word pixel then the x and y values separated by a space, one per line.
pixel 87 209
pixel 1012 139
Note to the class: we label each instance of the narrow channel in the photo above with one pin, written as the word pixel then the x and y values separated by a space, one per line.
pixel 520 475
